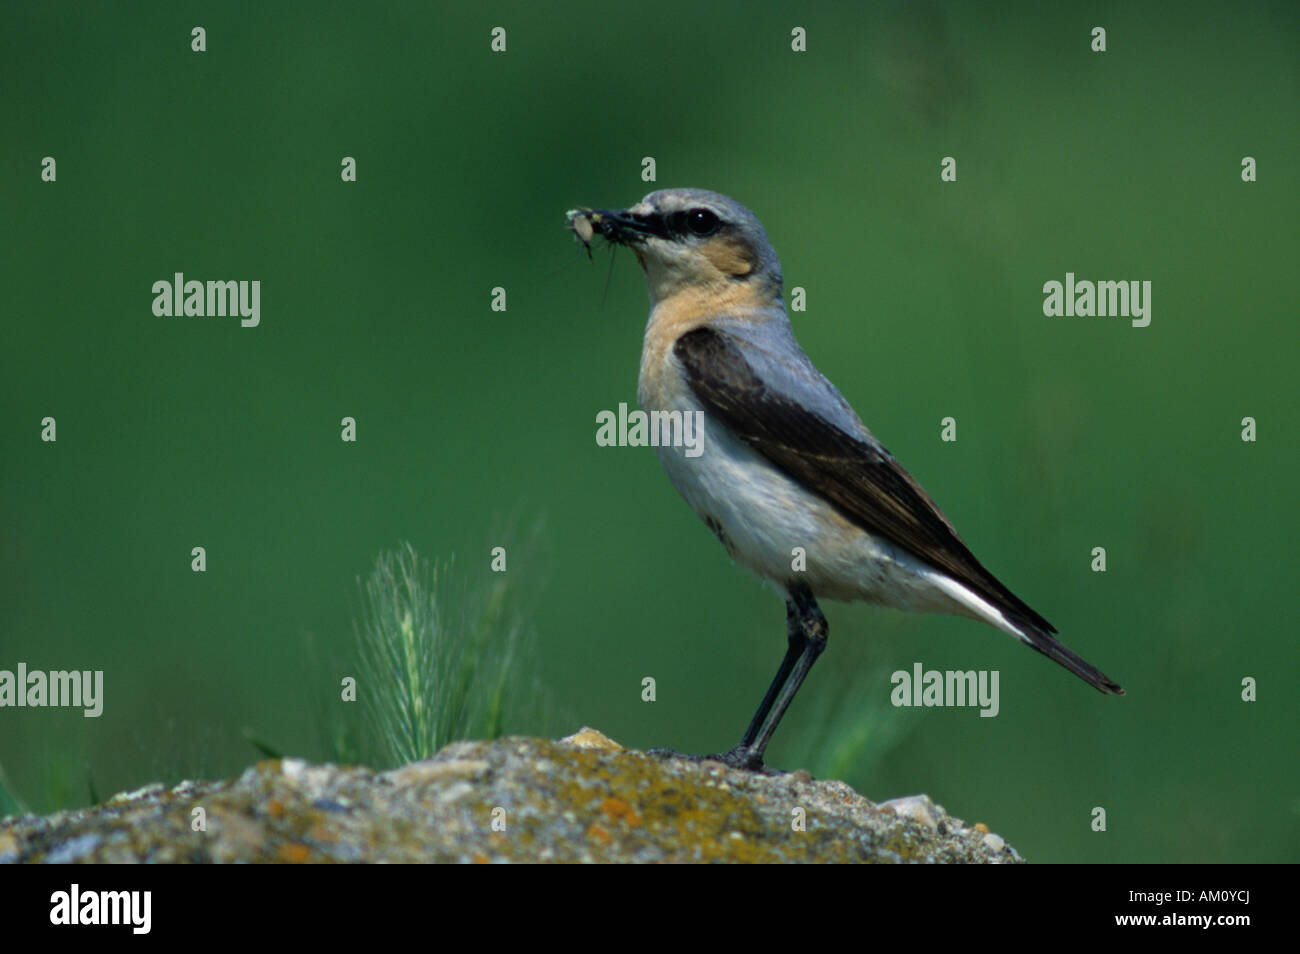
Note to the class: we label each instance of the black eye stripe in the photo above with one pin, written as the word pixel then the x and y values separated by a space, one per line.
pixel 654 224
pixel 697 223
pixel 702 222
pixel 678 225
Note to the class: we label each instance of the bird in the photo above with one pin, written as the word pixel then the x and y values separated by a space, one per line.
pixel 784 466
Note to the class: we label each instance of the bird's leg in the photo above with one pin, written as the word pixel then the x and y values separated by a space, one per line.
pixel 796 639
pixel 806 631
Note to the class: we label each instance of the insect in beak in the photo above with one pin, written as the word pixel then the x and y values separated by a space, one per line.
pixel 583 222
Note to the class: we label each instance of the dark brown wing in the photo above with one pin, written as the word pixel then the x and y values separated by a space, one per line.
pixel 861 479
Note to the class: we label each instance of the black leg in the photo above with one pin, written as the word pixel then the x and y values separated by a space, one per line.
pixel 806 632
pixel 812 649
pixel 796 641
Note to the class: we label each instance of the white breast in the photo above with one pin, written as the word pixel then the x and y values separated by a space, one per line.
pixel 763 516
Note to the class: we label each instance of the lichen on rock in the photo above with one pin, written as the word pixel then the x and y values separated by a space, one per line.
pixel 580 799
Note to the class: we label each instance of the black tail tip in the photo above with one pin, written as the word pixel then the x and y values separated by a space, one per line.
pixel 1058 652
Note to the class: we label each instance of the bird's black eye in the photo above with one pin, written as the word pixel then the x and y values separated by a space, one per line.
pixel 702 222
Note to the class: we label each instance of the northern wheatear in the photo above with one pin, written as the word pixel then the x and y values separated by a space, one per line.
pixel 787 467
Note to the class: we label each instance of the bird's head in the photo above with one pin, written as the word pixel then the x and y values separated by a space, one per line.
pixel 691 240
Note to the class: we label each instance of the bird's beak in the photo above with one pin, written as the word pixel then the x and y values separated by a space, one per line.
pixel 619 226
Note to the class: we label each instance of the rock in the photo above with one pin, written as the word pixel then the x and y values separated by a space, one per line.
pixel 589 738
pixel 919 808
pixel 583 798
pixel 994 842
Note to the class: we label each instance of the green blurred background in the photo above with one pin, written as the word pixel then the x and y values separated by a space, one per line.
pixel 924 300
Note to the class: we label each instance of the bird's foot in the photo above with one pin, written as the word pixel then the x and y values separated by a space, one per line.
pixel 740 757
